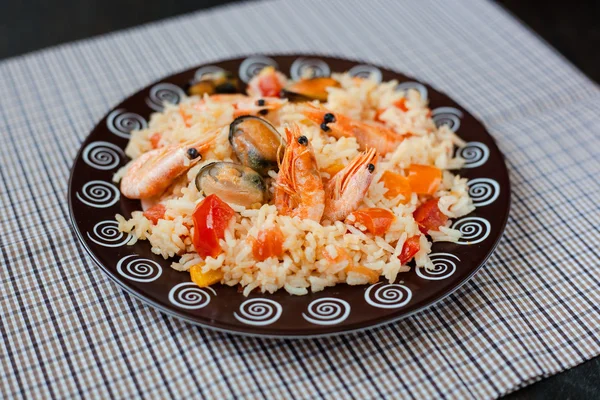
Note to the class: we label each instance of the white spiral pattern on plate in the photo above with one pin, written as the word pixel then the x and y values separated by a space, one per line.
pixel 419 87
pixel 98 194
pixel 139 269
pixel 473 229
pixel 388 295
pixel 475 154
pixel 317 68
pixel 253 65
pixel 206 70
pixel 483 191
pixel 447 116
pixel 258 312
pixel 443 267
pixel 107 234
pixel 164 93
pixel 121 123
pixel 366 71
pixel 102 155
pixel 327 311
pixel 190 296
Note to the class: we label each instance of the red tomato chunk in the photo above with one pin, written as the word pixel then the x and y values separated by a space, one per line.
pixel 155 213
pixel 268 244
pixel 409 249
pixel 376 220
pixel 211 218
pixel 429 217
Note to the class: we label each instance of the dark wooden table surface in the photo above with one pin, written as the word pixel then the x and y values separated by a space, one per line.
pixel 572 27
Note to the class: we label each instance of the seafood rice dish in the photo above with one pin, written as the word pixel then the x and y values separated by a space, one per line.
pixel 295 185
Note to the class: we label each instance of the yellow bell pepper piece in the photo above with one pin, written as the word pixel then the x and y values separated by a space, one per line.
pixel 205 279
pixel 369 273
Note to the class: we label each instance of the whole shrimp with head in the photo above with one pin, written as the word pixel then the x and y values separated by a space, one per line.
pixel 299 188
pixel 154 171
pixel 242 104
pixel 367 134
pixel 346 190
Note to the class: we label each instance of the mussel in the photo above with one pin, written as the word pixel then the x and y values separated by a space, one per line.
pixel 217 82
pixel 233 183
pixel 255 142
pixel 309 89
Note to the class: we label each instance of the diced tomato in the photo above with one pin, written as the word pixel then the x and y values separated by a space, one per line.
pixel 154 139
pixel 376 220
pixel 424 179
pixel 396 184
pixel 268 244
pixel 429 217
pixel 409 249
pixel 155 213
pixel 401 104
pixel 369 273
pixel 211 218
pixel 204 279
pixel 269 83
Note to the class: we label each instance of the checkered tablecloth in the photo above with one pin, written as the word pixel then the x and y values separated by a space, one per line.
pixel 532 311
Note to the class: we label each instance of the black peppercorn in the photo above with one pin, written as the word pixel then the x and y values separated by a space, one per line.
pixel 328 118
pixel 192 153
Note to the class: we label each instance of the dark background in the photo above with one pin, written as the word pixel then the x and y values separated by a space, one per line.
pixel 571 27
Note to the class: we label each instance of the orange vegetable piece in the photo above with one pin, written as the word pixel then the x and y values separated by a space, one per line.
pixel 396 184
pixel 155 213
pixel 268 244
pixel 429 217
pixel 376 220
pixel 154 139
pixel 204 279
pixel 409 249
pixel 401 104
pixel 424 179
pixel 269 83
pixel 211 217
pixel 359 269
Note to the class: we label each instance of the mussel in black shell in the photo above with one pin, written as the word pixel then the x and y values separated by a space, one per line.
pixel 233 183
pixel 216 82
pixel 255 142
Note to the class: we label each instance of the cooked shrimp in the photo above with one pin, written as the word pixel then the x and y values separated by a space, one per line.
pixel 268 82
pixel 347 188
pixel 244 105
pixel 367 134
pixel 299 188
pixel 151 173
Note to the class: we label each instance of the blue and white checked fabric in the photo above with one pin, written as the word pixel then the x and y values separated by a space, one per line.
pixel 67 331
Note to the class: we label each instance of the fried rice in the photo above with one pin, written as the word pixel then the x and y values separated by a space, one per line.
pixel 309 246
